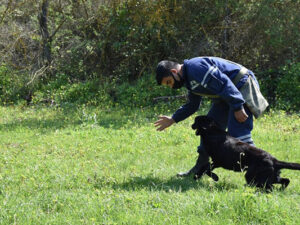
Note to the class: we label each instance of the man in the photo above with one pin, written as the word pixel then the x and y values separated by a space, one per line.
pixel 235 93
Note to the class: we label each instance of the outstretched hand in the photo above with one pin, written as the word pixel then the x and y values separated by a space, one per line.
pixel 163 122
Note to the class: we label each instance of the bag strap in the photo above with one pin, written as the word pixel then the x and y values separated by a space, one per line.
pixel 243 71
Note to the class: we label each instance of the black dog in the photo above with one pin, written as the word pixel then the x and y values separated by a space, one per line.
pixel 263 170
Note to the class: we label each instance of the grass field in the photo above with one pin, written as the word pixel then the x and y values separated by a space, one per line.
pixel 84 165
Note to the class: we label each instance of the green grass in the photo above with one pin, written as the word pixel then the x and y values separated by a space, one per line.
pixel 80 165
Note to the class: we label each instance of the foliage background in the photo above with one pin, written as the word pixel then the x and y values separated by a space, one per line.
pixel 95 52
pixel 91 155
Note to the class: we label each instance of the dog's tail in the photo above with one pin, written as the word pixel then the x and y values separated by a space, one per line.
pixel 287 165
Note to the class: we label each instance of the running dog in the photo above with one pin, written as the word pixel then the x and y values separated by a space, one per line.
pixel 262 169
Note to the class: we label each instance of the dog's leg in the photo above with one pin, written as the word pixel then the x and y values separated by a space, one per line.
pixel 279 180
pixel 250 175
pixel 261 177
pixel 283 181
pixel 211 174
pixel 207 169
pixel 201 162
pixel 201 171
pixel 264 178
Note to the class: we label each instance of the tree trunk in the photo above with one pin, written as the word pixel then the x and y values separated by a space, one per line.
pixel 46 54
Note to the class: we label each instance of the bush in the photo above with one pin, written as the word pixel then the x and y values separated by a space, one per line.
pixel 142 92
pixel 107 93
pixel 111 46
pixel 288 88
pixel 61 90
pixel 12 86
pixel 282 87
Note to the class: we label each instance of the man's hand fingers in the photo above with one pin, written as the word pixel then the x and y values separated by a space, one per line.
pixel 161 118
pixel 161 128
pixel 241 116
pixel 245 117
pixel 241 120
pixel 163 122
pixel 158 122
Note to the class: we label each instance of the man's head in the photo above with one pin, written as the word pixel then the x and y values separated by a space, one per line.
pixel 168 74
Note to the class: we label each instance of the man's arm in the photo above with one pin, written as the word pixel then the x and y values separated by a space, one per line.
pixel 221 85
pixel 188 109
pixel 182 113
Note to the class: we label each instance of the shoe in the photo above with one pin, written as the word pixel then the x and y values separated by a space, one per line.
pixel 187 173
pixel 195 169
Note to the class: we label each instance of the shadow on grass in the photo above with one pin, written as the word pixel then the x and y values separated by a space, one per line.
pixel 173 184
pixel 37 124
pixel 76 116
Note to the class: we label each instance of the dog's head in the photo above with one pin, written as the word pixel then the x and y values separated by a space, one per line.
pixel 204 125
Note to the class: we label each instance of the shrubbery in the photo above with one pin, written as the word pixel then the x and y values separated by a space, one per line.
pixel 104 51
pixel 288 88
pixel 282 87
pixel 60 90
pixel 107 93
pixel 12 86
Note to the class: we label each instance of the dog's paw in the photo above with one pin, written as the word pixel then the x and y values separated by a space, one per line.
pixel 214 177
